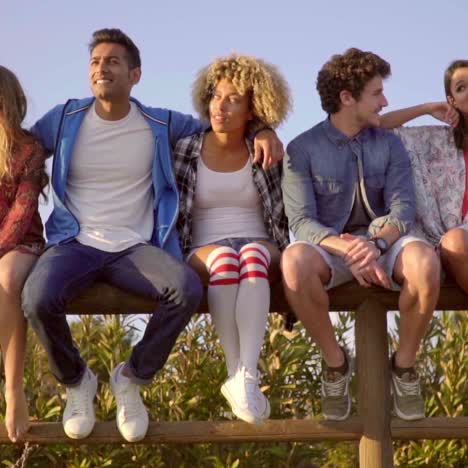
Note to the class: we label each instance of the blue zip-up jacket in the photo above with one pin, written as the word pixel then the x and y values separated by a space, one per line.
pixel 58 130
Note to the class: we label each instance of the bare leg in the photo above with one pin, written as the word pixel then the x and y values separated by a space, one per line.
pixel 14 269
pixel 454 255
pixel 417 269
pixel 304 275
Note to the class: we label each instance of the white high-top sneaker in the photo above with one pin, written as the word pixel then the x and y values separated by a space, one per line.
pixel 132 417
pixel 245 397
pixel 78 417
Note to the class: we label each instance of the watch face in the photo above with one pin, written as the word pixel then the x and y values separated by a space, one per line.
pixel 381 244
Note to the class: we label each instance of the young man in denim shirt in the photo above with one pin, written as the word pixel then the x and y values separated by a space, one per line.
pixel 349 197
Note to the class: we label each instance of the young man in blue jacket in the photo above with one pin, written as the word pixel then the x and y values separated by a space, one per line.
pixel 349 197
pixel 115 211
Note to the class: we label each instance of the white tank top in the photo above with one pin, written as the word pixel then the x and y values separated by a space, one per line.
pixel 227 204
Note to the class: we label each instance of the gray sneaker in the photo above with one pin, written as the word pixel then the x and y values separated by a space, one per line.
pixel 336 400
pixel 408 403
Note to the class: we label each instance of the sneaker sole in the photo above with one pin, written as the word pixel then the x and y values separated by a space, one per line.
pixel 240 414
pixel 332 417
pixel 405 417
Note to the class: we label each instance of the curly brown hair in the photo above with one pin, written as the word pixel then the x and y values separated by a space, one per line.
pixel 268 90
pixel 351 72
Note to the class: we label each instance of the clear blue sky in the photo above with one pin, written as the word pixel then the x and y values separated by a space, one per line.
pixel 45 43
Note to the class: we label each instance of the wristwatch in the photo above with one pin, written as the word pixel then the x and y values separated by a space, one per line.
pixel 380 243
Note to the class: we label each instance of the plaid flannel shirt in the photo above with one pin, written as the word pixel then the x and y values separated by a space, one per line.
pixel 268 183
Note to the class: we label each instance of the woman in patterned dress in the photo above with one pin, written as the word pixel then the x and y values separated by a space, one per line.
pixel 22 177
pixel 439 156
pixel 232 222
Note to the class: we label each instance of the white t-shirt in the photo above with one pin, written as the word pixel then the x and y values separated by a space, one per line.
pixel 227 204
pixel 109 186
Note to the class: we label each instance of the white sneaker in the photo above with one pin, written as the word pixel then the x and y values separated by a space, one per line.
pixel 78 417
pixel 245 397
pixel 132 417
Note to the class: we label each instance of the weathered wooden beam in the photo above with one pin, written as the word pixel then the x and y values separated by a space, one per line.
pixel 273 430
pixel 375 446
pixel 103 298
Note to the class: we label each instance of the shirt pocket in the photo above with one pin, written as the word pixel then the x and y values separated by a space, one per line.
pixel 327 186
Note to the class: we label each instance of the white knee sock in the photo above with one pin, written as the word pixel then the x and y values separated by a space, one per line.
pixel 223 267
pixel 253 302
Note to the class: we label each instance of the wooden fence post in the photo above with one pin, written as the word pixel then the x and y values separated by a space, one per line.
pixel 375 446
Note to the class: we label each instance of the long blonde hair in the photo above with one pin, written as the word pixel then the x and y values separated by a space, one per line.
pixel 13 109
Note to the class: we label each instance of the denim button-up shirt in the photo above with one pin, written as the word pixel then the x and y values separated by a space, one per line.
pixel 321 169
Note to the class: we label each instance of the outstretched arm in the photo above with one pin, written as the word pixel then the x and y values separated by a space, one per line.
pixel 439 110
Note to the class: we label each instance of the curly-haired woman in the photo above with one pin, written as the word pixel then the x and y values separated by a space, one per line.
pixel 22 177
pixel 232 220
pixel 439 156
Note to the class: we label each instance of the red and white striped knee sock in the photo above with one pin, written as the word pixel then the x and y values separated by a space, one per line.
pixel 253 302
pixel 223 268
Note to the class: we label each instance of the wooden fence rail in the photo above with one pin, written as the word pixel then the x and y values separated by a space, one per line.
pixel 373 427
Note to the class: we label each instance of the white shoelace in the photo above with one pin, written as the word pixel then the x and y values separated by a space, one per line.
pixel 410 388
pixel 78 401
pixel 336 388
pixel 129 401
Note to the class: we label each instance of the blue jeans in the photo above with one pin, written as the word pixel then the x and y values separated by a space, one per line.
pixel 64 271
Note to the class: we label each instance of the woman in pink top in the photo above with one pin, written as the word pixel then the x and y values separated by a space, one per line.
pixel 22 178
pixel 439 156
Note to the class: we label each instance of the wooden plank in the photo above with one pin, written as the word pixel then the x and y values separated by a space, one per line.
pixel 375 446
pixel 188 432
pixel 103 298
pixel 431 428
pixel 281 430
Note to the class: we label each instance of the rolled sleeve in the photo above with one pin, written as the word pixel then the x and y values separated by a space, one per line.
pixel 399 196
pixel 299 197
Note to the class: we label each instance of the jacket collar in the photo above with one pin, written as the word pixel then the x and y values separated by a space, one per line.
pixel 339 138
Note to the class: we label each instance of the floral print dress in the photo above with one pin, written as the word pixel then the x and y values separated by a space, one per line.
pixel 20 222
pixel 439 178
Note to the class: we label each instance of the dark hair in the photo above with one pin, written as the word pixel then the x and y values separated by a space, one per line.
pixel 459 130
pixel 117 36
pixel 351 72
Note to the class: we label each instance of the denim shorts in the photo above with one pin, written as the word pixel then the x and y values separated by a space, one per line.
pixel 236 243
pixel 341 274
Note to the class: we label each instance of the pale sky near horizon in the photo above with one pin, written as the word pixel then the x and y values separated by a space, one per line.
pixel 45 44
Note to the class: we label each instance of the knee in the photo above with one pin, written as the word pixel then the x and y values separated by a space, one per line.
pixel 425 271
pixel 455 242
pixel 36 300
pixel 299 264
pixel 191 291
pixel 10 283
